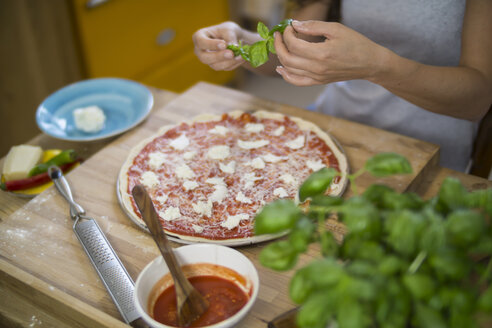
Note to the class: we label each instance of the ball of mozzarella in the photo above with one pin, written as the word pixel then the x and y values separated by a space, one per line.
pixel 89 119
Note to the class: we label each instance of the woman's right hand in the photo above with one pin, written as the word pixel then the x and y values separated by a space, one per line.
pixel 211 46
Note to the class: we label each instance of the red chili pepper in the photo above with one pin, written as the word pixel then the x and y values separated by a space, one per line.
pixel 33 181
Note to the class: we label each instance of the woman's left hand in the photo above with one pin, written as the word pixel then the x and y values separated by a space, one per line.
pixel 344 54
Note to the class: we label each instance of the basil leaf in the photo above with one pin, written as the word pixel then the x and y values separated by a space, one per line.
pixel 465 227
pixel 450 265
pixel 480 199
pixel 244 51
pixel 262 30
pixel 317 183
pixel 235 49
pixel 391 265
pixel 485 300
pixel 385 164
pixel 316 275
pixel 318 310
pixel 434 237
pixel 329 246
pixel 277 216
pixel 280 27
pixel 420 286
pixel 278 256
pixel 452 195
pixel 351 315
pixel 375 194
pixel 428 317
pixel 404 231
pixel 271 46
pixel 258 53
pixel 361 217
pixel 302 234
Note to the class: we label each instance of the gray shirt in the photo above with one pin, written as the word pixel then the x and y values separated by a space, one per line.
pixel 427 31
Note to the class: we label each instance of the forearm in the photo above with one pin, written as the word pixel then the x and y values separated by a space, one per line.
pixel 461 91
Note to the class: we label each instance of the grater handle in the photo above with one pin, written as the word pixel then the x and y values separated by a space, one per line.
pixel 63 187
pixel 108 266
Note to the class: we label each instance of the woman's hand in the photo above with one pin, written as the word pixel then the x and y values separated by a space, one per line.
pixel 344 54
pixel 211 46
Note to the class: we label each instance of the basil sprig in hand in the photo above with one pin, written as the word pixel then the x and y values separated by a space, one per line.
pixel 257 53
pixel 404 261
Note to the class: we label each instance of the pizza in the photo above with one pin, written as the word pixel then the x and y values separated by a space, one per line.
pixel 208 177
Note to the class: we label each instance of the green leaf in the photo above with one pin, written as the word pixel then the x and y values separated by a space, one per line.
pixel 465 227
pixel 262 30
pixel 325 201
pixel 390 265
pixel 351 315
pixel 277 216
pixel 235 49
pixel 485 301
pixel 405 229
pixel 302 234
pixel 322 273
pixel 420 286
pixel 317 311
pixel 280 27
pixel 329 246
pixel 428 317
pixel 480 199
pixel 271 45
pixel 375 194
pixel 434 236
pixel 385 164
pixel 278 256
pixel 452 195
pixel 244 51
pixel 317 183
pixel 258 53
pixel 450 265
pixel 361 217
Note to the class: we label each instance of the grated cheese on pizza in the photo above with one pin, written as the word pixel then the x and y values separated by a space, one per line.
pixel 208 179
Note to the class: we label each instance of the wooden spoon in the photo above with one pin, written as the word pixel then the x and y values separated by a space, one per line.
pixel 190 303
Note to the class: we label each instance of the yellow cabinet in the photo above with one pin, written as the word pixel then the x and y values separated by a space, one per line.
pixel 147 40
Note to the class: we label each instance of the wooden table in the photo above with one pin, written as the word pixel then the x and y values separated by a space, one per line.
pixel 46 278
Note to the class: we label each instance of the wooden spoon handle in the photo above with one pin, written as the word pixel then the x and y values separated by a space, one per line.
pixel 151 219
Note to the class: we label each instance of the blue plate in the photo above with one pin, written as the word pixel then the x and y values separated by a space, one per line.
pixel 125 104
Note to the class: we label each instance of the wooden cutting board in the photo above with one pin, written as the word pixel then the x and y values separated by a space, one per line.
pixel 41 256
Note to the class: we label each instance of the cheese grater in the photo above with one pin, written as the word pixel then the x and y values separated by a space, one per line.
pixel 104 259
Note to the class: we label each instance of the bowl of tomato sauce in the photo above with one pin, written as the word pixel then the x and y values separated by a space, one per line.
pixel 226 277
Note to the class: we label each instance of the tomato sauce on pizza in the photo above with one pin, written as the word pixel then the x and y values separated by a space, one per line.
pixel 208 179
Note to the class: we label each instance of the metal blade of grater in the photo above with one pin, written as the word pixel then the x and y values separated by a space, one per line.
pixel 108 266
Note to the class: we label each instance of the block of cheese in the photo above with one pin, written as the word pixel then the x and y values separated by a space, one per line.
pixel 20 160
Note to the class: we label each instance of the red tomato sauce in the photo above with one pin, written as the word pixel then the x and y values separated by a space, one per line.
pixel 224 296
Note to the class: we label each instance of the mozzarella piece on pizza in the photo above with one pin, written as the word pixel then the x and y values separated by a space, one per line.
pixel 219 129
pixel 219 152
pixel 228 168
pixel 184 172
pixel 180 143
pixel 233 221
pixel 149 179
pixel 297 143
pixel 254 127
pixel 252 144
pixel 279 131
pixel 315 165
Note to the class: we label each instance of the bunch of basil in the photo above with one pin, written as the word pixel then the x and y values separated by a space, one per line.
pixel 404 261
pixel 257 53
